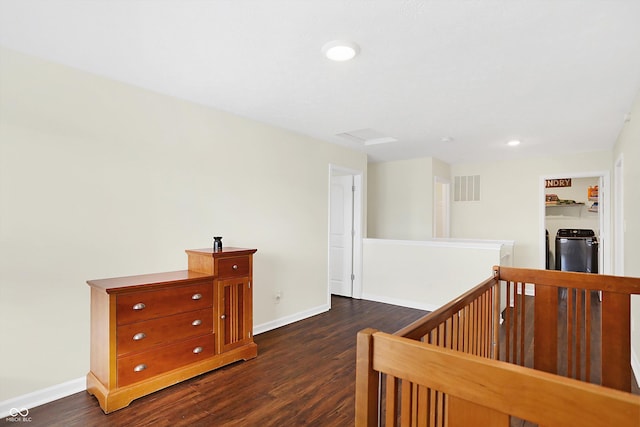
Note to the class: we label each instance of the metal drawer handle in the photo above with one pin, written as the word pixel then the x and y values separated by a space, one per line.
pixel 196 322
pixel 197 350
pixel 139 306
pixel 139 336
pixel 141 367
pixel 196 296
pixel 223 317
pixel 235 266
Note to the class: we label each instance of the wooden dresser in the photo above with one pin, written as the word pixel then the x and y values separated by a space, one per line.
pixel 154 330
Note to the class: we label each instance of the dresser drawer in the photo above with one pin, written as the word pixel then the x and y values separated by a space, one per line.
pixel 140 366
pixel 141 336
pixel 238 266
pixel 140 306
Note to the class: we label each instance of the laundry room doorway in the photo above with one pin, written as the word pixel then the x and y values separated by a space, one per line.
pixel 575 226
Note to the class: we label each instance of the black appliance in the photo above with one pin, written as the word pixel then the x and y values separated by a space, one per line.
pixel 576 250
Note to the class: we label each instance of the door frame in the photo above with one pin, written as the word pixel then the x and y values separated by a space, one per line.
pixel 604 206
pixel 358 221
pixel 446 183
pixel 618 221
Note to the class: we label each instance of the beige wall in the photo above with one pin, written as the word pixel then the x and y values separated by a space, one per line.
pixel 628 146
pixel 400 198
pixel 100 179
pixel 509 206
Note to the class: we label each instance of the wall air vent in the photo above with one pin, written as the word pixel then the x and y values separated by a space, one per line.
pixel 367 137
pixel 466 188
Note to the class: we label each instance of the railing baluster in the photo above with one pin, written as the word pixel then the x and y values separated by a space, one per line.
pixel 570 311
pixel 514 324
pixel 587 327
pixel 495 302
pixel 579 332
pixel 391 408
pixel 507 323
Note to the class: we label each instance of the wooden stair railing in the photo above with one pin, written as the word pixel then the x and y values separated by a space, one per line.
pixel 479 391
pixel 469 323
pixel 572 317
pixel 586 314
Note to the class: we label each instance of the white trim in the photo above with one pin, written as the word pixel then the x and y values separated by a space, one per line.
pixel 447 220
pixel 604 261
pixel 358 212
pixel 40 397
pixel 618 221
pixel 446 243
pixel 284 321
pixel 635 365
pixel 358 225
pixel 399 302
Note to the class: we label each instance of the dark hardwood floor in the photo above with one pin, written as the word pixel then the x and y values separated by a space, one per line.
pixel 304 375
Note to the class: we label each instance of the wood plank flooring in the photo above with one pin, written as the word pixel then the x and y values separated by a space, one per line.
pixel 304 375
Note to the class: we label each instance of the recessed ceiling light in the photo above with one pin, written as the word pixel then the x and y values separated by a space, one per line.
pixel 340 50
pixel 513 143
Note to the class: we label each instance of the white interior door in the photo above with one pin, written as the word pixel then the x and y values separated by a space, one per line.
pixel 341 236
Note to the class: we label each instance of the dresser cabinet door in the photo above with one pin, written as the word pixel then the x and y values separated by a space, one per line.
pixel 234 311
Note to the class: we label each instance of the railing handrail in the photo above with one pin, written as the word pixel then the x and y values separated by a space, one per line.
pixel 430 321
pixel 567 279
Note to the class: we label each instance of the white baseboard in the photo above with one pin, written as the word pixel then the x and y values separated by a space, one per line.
pixel 40 397
pixel 399 302
pixel 58 391
pixel 283 321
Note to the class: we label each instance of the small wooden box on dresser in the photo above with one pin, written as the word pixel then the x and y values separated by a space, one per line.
pixel 152 331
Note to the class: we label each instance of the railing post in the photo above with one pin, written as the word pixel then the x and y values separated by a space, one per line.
pixel 616 341
pixel 367 387
pixel 545 341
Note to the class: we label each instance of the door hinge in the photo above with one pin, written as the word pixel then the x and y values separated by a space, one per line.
pixel 353 277
pixel 353 188
pixel 249 285
pixel 249 334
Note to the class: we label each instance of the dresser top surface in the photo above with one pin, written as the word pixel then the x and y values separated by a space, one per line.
pixel 125 283
pixel 222 253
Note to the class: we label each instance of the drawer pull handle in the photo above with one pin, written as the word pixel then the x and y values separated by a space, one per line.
pixel 141 367
pixel 139 336
pixel 196 296
pixel 139 306
pixel 223 317
pixel 196 322
pixel 235 266
pixel 197 350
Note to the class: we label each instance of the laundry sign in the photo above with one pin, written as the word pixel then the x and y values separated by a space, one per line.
pixel 555 183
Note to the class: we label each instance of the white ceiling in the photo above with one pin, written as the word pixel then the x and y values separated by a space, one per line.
pixel 559 75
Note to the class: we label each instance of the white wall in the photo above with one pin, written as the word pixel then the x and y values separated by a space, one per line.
pixel 427 274
pixel 100 179
pixel 628 146
pixel 400 198
pixel 509 206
